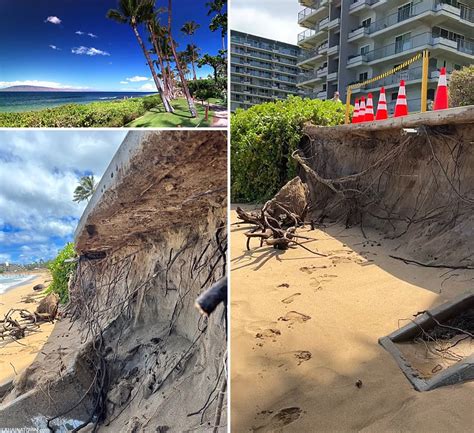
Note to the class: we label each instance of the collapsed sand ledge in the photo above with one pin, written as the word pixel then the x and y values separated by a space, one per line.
pixel 411 177
pixel 139 355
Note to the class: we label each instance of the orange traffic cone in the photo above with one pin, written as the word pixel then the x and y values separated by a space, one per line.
pixel 382 112
pixel 441 97
pixel 362 110
pixel 355 116
pixel 369 112
pixel 401 107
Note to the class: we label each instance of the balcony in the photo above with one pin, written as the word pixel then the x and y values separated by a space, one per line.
pixel 358 33
pixel 322 95
pixel 357 60
pixel 307 78
pixel 417 11
pixel 333 50
pixel 415 44
pixel 332 76
pixel 360 5
pixel 309 16
pixel 322 72
pixel 310 37
pixel 335 23
pixel 324 24
pixel 311 55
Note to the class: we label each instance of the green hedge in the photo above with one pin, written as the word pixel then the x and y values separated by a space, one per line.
pixel 61 272
pixel 263 139
pixel 461 87
pixel 96 114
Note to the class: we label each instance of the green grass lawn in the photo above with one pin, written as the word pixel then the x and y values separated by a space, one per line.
pixel 158 117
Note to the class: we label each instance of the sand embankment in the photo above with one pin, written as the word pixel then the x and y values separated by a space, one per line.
pixel 305 329
pixel 15 356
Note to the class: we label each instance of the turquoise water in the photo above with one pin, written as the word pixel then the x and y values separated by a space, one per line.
pixel 8 281
pixel 32 101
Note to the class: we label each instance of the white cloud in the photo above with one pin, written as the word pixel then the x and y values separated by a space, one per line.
pixel 80 33
pixel 53 20
pixel 39 83
pixel 89 51
pixel 54 47
pixel 39 202
pixel 123 82
pixel 92 35
pixel 147 87
pixel 137 79
pixel 254 17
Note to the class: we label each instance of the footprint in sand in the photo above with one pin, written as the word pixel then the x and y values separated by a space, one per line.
pixel 266 335
pixel 291 298
pixel 293 317
pixel 310 269
pixel 302 356
pixel 279 420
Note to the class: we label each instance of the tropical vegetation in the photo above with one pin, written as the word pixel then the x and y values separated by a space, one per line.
pixel 461 87
pixel 85 189
pixel 146 16
pixel 263 139
pixel 61 271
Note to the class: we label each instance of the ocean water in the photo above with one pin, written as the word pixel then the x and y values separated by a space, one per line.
pixel 27 101
pixel 8 281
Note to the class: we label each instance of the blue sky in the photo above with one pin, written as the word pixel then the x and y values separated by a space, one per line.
pixel 39 171
pixel 38 38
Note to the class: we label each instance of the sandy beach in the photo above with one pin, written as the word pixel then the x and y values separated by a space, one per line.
pixel 305 331
pixel 15 356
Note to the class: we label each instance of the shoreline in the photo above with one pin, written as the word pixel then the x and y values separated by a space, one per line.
pixel 17 355
pixel 19 284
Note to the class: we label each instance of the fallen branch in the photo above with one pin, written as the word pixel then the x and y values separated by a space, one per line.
pixel 430 265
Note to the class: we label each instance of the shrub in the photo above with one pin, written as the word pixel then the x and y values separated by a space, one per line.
pixel 96 114
pixel 151 102
pixel 263 139
pixel 61 271
pixel 205 89
pixel 461 87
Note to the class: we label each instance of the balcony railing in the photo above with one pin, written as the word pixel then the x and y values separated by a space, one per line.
pixel 312 53
pixel 307 76
pixel 417 41
pixel 464 12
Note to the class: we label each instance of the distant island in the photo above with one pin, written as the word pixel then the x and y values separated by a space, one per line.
pixel 39 89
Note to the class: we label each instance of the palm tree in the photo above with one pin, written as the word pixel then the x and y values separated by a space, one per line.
pixel 220 19
pixel 133 13
pixel 192 53
pixel 85 189
pixel 189 28
pixel 157 35
pixel 182 78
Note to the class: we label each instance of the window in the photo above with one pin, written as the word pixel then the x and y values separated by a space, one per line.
pixel 363 76
pixel 367 22
pixel 405 12
pixel 394 96
pixel 364 50
pixel 402 42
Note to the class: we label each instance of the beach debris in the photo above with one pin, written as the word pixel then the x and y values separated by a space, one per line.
pixel 17 323
pixel 208 301
pixel 39 287
pixel 279 218
pixel 358 384
pixel 47 309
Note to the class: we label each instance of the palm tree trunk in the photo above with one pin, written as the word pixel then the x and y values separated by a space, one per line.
pixel 170 80
pixel 224 46
pixel 194 69
pixel 158 82
pixel 160 60
pixel 184 83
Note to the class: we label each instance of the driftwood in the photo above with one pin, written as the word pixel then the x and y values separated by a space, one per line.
pixel 19 322
pixel 208 301
pixel 276 223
